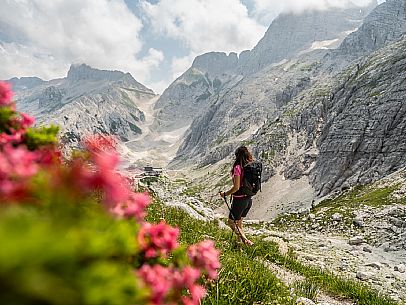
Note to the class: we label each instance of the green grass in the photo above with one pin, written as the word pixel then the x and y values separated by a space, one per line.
pixel 363 195
pixel 307 288
pixel 333 284
pixel 193 190
pixel 243 279
pixel 345 204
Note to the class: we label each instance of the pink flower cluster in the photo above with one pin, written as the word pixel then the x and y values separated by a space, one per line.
pixel 18 123
pixel 99 143
pixel 5 94
pixel 157 240
pixel 167 284
pixel 17 163
pixel 95 171
pixel 205 256
pixel 134 207
pixel 17 166
pixel 99 173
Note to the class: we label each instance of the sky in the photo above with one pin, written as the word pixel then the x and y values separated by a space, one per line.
pixel 155 40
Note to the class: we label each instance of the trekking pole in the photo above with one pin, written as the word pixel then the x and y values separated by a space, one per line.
pixel 235 221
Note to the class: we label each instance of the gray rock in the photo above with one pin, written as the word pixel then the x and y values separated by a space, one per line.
pixel 385 23
pixel 356 240
pixel 401 268
pixel 337 217
pixel 310 257
pixel 364 276
pixel 304 301
pixel 396 229
pixel 367 249
pixel 359 222
pixel 375 265
pixel 24 83
pixel 344 266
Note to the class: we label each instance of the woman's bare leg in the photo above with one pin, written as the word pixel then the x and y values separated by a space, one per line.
pixel 245 239
pixel 231 224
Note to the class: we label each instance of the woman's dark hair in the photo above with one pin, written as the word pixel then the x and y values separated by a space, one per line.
pixel 242 156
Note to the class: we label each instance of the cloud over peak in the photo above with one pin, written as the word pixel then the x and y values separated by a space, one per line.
pixel 102 33
pixel 266 10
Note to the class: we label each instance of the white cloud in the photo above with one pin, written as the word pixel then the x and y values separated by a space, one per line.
pixel 101 33
pixel 266 10
pixel 208 25
pixel 203 26
pixel 20 60
pixel 181 64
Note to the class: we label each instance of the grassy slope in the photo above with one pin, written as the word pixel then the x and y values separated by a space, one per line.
pixel 244 279
pixel 345 204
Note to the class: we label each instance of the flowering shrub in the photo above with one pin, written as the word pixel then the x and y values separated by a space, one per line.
pixel 73 232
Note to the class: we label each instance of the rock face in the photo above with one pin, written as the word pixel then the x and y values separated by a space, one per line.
pixel 214 74
pixel 87 101
pixel 385 24
pixel 362 135
pixel 291 34
pixel 25 83
pixel 190 94
pixel 216 63
pixel 233 115
pixel 315 115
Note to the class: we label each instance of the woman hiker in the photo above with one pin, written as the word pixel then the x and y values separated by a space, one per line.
pixel 241 203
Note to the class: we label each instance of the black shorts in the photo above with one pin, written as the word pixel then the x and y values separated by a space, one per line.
pixel 240 207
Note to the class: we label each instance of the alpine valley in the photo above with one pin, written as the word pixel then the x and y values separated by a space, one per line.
pixel 320 100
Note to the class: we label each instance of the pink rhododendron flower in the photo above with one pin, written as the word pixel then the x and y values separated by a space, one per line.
pixel 18 162
pixel 106 161
pixel 197 292
pixel 167 283
pixel 159 239
pixel 15 138
pixel 205 256
pixel 158 278
pixel 115 186
pixel 102 176
pixel 17 165
pixel 135 206
pixel 5 93
pixel 186 277
pixel 50 156
pixel 98 143
pixel 26 120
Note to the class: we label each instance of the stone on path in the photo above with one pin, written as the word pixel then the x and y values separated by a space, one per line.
pixel 375 265
pixel 356 240
pixel 304 301
pixel 364 276
pixel 400 268
pixel 367 249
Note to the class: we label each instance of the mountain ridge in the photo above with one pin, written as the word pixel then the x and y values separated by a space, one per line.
pixel 224 125
pixel 88 101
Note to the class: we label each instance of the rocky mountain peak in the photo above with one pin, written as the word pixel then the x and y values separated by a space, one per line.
pixel 216 63
pixel 85 72
pixel 387 22
pixel 290 34
pixel 24 83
